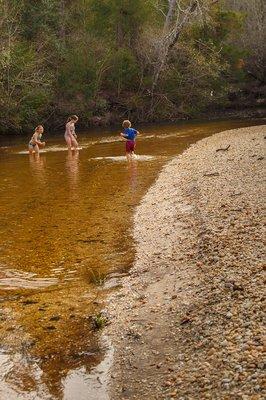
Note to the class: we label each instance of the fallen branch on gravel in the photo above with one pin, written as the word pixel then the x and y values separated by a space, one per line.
pixel 223 148
pixel 212 174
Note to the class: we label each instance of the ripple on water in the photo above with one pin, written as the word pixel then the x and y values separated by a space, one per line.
pixel 12 279
pixel 10 367
pixel 108 140
pixel 52 149
pixel 123 158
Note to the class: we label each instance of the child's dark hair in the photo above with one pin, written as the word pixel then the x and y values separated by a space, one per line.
pixel 126 124
pixel 72 118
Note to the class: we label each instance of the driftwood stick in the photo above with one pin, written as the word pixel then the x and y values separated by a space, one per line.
pixel 223 148
pixel 212 174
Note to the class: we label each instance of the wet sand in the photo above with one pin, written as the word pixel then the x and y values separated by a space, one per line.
pixel 187 323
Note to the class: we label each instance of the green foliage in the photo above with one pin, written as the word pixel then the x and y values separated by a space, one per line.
pixel 123 73
pixel 77 75
pixel 119 21
pixel 39 18
pixel 24 85
pixel 201 69
pixel 97 59
pixel 192 79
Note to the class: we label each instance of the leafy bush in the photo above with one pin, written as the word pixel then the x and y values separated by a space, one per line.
pixel 98 59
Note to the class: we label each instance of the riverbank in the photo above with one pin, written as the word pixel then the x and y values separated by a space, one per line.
pixel 187 323
pixel 113 122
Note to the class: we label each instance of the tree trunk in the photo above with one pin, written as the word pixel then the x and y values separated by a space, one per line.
pixel 171 36
pixel 170 15
pixel 173 26
pixel 62 13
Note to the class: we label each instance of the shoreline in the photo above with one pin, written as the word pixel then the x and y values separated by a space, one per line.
pixel 215 115
pixel 187 321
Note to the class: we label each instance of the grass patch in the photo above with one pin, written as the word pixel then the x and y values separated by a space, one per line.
pixel 96 277
pixel 99 321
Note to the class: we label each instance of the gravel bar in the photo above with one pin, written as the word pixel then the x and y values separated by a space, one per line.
pixel 188 322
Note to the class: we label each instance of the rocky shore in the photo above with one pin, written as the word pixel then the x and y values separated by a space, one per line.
pixel 188 321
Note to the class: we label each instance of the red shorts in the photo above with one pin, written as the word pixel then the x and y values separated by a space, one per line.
pixel 130 146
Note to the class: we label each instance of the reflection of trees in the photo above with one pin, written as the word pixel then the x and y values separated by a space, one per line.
pixel 76 353
pixel 41 369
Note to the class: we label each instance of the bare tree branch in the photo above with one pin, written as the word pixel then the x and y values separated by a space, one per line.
pixel 175 22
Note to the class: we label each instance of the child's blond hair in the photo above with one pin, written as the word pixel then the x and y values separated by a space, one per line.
pixel 126 124
pixel 38 128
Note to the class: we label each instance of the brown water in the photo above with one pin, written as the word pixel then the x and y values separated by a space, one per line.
pixel 65 227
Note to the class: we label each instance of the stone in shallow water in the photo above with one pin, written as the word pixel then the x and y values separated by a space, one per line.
pixel 55 318
pixel 50 327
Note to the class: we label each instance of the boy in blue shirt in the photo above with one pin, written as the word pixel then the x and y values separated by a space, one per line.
pixel 130 135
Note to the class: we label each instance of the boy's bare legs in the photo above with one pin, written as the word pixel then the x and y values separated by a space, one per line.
pixel 128 156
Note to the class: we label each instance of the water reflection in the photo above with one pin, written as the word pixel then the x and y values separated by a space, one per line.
pixel 51 378
pixel 51 351
pixel 72 167
pixel 37 164
pixel 133 176
pixel 96 383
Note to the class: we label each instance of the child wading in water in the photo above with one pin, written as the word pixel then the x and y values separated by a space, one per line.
pixel 35 141
pixel 130 135
pixel 70 135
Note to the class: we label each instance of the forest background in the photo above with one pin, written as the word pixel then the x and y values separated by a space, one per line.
pixel 149 60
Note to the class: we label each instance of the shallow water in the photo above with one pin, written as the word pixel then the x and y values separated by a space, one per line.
pixel 65 226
